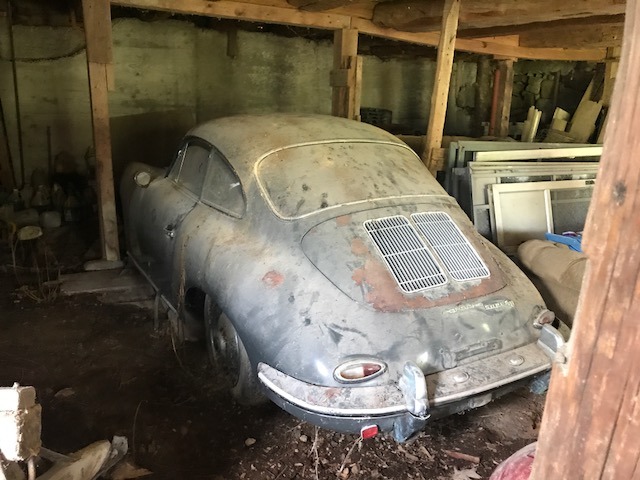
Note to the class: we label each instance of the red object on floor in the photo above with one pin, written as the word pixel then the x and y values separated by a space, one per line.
pixel 517 466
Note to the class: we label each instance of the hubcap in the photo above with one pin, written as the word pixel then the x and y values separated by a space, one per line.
pixel 224 348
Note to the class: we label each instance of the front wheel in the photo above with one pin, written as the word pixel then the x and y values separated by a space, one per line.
pixel 229 356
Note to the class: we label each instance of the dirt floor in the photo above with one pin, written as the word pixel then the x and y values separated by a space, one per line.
pixel 101 370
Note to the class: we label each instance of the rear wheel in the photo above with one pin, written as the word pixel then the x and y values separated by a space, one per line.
pixel 229 356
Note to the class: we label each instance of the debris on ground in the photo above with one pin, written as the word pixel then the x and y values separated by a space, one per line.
pixel 127 382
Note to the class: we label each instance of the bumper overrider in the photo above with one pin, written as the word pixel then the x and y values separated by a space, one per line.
pixel 405 407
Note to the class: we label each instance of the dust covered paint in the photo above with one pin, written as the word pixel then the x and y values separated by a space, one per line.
pixel 285 275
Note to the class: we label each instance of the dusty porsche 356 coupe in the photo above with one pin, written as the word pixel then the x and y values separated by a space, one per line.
pixel 333 274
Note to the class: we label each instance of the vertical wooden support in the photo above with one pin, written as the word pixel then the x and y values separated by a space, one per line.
pixel 440 94
pixel 97 27
pixel 346 76
pixel 482 110
pixel 504 90
pixel 610 72
pixel 591 423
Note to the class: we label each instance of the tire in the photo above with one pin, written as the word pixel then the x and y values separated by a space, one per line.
pixel 229 357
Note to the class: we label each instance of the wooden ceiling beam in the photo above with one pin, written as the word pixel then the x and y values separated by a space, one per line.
pixel 418 15
pixel 483 46
pixel 243 11
pixel 319 5
pixel 287 15
pixel 595 36
pixel 598 20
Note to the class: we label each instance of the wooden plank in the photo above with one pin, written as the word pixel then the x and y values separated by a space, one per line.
pixel 591 422
pixel 482 46
pixel 583 123
pixel 344 78
pixel 504 90
pixel 525 28
pixel 243 11
pixel 290 16
pixel 482 111
pixel 592 36
pixel 98 88
pixel 611 70
pixel 415 16
pixel 318 5
pixel 97 26
pixel 440 94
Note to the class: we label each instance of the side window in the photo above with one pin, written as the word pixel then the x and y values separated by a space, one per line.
pixel 223 189
pixel 193 168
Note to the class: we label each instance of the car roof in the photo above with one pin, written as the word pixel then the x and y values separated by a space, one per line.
pixel 244 139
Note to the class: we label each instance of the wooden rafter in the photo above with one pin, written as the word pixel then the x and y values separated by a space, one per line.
pixel 421 16
pixel 533 27
pixel 593 35
pixel 319 5
pixel 283 13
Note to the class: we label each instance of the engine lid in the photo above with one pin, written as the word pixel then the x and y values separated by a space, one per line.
pixel 386 259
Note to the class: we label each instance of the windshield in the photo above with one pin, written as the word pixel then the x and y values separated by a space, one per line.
pixel 302 180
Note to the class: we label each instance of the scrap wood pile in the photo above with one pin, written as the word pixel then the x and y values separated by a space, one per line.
pixel 22 455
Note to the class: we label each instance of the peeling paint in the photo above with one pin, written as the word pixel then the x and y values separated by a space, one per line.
pixel 273 279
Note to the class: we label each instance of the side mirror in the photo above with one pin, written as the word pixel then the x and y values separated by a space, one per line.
pixel 142 179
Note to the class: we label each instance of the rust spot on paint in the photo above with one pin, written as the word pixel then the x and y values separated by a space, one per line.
pixel 358 247
pixel 273 279
pixel 383 294
pixel 343 220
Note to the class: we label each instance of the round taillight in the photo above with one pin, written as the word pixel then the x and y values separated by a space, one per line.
pixel 359 370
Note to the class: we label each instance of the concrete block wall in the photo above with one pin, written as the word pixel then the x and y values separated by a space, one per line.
pixel 171 65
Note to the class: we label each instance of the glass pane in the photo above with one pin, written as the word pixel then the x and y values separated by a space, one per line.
pixel 194 168
pixel 305 179
pixel 223 189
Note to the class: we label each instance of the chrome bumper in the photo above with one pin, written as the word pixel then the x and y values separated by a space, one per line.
pixel 399 406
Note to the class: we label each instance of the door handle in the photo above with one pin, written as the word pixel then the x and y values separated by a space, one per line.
pixel 169 231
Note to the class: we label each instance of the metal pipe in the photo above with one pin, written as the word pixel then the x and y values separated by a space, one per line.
pixel 15 92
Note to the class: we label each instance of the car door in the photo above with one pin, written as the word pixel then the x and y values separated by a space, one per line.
pixel 167 203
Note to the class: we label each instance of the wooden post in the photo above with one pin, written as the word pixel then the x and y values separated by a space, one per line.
pixel 97 27
pixel 591 423
pixel 610 72
pixel 504 90
pixel 346 76
pixel 440 94
pixel 482 111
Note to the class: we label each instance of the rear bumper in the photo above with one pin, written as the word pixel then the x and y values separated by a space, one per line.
pixel 349 409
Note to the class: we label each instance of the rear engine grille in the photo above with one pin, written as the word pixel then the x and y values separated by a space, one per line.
pixel 406 255
pixel 455 251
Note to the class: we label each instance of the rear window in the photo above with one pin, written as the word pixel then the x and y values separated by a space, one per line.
pixel 301 180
